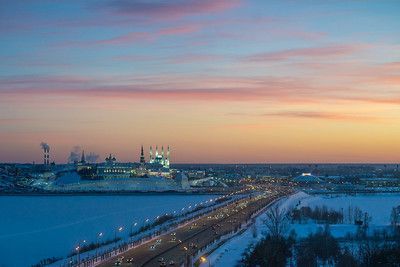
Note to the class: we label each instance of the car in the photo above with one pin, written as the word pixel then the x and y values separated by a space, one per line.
pixel 130 260
pixel 117 263
pixel 160 259
pixel 163 264
pixel 173 239
pixel 152 247
pixel 159 241
pixel 173 234
pixel 171 262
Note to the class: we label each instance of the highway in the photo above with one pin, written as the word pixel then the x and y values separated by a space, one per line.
pixel 177 247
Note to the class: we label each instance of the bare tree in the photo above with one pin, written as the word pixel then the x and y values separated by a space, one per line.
pixel 277 221
pixel 395 219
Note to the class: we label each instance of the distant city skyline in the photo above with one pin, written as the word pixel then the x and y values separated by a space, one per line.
pixel 225 81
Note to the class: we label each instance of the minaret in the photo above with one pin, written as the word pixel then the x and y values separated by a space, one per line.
pixel 162 156
pixel 151 155
pixel 142 159
pixel 83 160
pixel 156 151
pixel 168 156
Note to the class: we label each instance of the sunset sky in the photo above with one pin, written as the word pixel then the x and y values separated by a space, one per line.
pixel 220 81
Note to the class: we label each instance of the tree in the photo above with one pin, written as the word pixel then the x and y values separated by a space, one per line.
pixel 320 246
pixel 395 217
pixel 271 251
pixel 346 259
pixel 277 221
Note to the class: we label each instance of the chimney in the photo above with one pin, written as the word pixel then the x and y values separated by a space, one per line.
pixel 46 156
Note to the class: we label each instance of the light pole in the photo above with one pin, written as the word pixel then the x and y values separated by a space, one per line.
pixel 98 243
pixel 119 229
pixel 77 249
pixel 131 234
pixel 187 259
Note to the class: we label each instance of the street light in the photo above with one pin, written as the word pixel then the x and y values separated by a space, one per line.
pixel 77 249
pixel 98 242
pixel 115 232
pixel 132 225
pixel 204 260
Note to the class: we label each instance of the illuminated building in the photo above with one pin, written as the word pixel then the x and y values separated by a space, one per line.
pixel 160 158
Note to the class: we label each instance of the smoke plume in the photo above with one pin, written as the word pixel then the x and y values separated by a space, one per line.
pixel 92 157
pixel 45 146
pixel 75 154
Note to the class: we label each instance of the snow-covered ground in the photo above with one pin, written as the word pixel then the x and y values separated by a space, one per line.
pixel 377 205
pixel 231 251
pixel 37 227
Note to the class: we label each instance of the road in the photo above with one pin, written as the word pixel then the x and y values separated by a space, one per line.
pixel 176 247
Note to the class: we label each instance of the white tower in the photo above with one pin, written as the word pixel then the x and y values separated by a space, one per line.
pixel 151 160
pixel 168 158
pixel 162 156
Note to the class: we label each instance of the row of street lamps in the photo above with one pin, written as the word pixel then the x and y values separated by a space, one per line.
pixel 78 248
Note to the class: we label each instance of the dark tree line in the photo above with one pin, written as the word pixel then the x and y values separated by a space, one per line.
pixel 316 248
pixel 270 251
pixel 319 214
pixel 321 248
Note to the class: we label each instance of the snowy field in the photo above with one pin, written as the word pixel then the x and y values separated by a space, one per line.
pixel 37 227
pixel 377 205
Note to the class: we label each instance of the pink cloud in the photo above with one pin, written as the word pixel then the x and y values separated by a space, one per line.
pixel 171 8
pixel 143 36
pixel 178 30
pixel 311 52
pixel 320 115
pixel 126 38
pixel 170 88
pixel 191 89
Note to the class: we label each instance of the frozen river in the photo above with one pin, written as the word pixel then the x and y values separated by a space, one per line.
pixel 37 227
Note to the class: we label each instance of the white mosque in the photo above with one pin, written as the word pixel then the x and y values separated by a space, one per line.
pixel 160 158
